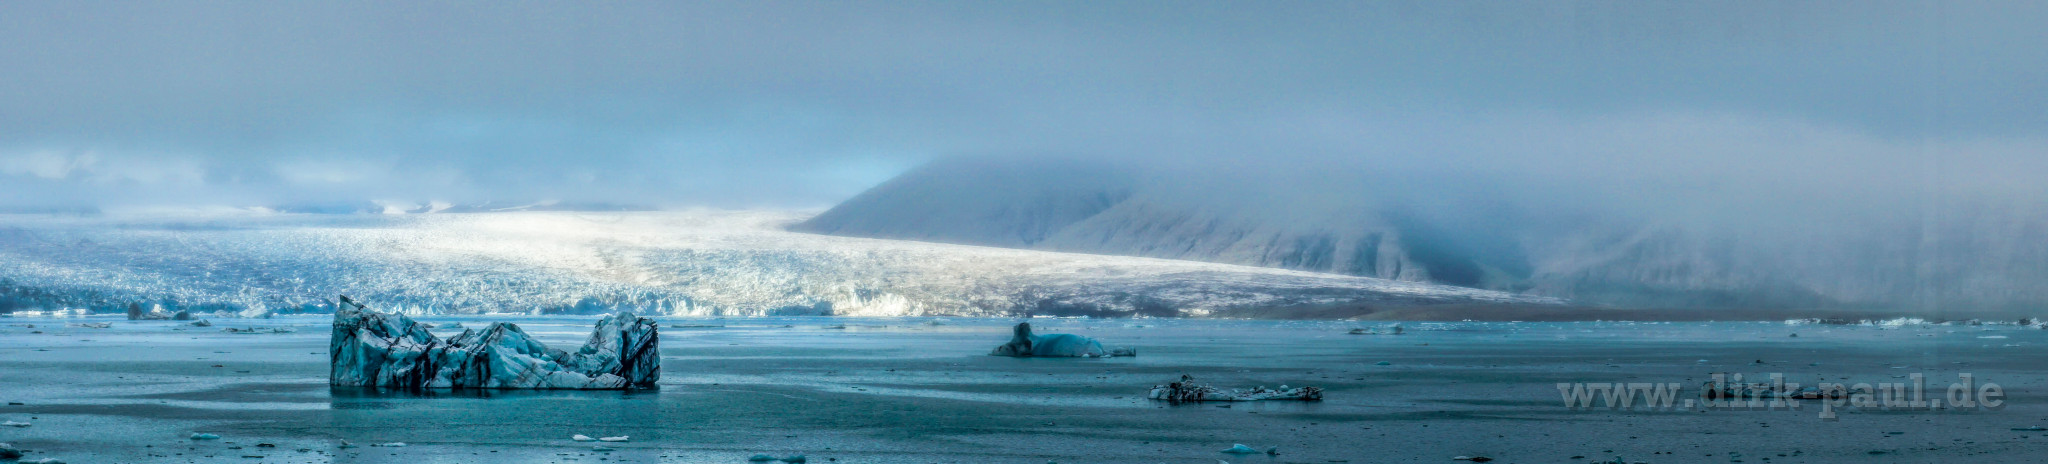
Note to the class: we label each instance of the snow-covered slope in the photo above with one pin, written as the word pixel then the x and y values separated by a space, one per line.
pixel 674 263
pixel 1954 253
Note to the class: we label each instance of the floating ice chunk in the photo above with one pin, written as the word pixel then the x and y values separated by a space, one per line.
pixel 582 437
pixel 14 424
pixel 613 439
pixel 1024 344
pixel 91 325
pixel 9 451
pixel 1187 391
pixel 761 458
pixel 395 444
pixel 202 323
pixel 205 436
pixel 372 349
pixel 1240 448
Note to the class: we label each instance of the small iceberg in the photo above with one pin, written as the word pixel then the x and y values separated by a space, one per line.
pixel 14 424
pixel 1187 391
pixel 1240 448
pixel 205 436
pixel 582 437
pixel 613 439
pixel 1024 344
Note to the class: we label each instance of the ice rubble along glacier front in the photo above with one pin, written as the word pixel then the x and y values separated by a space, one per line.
pixel 373 349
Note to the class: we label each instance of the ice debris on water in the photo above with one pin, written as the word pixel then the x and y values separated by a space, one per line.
pixel 613 439
pixel 602 448
pixel 1761 391
pixel 8 451
pixel 14 424
pixel 1389 330
pixel 205 436
pixel 1187 391
pixel 1024 344
pixel 92 325
pixel 395 444
pixel 582 437
pixel 761 458
pixel 1240 448
pixel 373 349
pixel 797 459
pixel 202 323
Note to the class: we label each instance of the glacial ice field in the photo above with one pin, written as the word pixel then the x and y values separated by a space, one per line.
pixel 681 263
pixel 924 390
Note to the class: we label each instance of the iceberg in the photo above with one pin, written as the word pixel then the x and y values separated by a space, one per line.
pixel 389 350
pixel 136 313
pixel 1187 391
pixel 1025 345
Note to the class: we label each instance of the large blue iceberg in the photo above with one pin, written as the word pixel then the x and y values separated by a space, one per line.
pixel 373 349
pixel 1025 345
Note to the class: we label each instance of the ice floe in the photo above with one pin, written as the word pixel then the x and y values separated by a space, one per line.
pixel 1187 391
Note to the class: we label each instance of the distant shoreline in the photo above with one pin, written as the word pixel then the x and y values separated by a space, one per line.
pixel 1431 313
pixel 1567 313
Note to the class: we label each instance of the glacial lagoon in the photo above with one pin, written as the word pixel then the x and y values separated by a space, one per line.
pixel 891 390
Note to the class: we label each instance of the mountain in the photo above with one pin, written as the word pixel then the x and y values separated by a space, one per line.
pixel 681 263
pixel 1960 254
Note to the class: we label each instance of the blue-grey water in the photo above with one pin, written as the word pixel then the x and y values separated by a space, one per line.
pixel 886 390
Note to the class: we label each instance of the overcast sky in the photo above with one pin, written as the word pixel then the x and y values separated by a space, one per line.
pixel 802 104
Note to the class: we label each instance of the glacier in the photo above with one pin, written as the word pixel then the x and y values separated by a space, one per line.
pixel 698 263
pixel 388 350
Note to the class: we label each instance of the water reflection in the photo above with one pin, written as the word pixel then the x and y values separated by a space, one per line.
pixel 387 398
